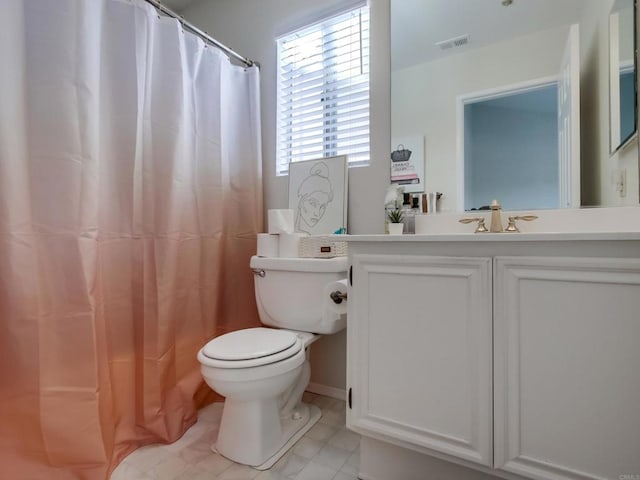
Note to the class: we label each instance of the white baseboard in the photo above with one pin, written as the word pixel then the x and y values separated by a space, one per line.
pixel 327 391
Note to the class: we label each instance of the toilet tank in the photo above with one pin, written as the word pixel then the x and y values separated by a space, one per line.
pixel 291 293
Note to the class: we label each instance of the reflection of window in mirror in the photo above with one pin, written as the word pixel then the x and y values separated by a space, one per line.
pixel 622 73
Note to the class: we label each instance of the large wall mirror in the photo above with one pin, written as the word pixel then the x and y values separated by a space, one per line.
pixel 622 71
pixel 501 91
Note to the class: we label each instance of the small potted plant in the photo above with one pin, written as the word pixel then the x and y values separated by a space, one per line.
pixel 395 218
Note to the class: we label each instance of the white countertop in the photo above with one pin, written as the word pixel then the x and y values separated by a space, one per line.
pixel 582 224
pixel 493 237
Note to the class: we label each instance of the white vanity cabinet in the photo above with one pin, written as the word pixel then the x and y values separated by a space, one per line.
pixel 419 350
pixel 567 367
pixel 514 359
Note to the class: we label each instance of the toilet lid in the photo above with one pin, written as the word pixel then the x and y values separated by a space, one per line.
pixel 251 343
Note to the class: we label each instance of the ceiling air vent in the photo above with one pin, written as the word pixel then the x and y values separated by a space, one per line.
pixel 454 42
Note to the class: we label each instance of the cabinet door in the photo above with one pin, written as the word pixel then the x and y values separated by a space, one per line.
pixel 419 352
pixel 567 363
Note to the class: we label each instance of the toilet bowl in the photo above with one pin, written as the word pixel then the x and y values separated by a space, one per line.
pixel 262 372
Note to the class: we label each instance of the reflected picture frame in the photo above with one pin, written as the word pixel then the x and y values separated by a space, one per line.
pixel 408 163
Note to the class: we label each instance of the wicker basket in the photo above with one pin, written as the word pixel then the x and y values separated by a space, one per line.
pixel 321 247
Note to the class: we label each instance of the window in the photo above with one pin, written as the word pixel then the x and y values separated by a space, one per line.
pixel 323 91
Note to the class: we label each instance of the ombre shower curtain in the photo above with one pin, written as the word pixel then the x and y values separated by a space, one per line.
pixel 130 198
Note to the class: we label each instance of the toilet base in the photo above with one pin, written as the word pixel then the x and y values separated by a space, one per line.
pixel 292 430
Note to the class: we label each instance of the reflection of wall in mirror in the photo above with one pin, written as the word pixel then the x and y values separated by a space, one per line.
pixel 627 104
pixel 423 97
pixel 622 73
pixel 423 101
pixel 625 32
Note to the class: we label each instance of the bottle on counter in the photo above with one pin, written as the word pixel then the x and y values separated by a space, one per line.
pixel 409 214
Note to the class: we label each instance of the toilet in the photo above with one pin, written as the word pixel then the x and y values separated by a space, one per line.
pixel 263 372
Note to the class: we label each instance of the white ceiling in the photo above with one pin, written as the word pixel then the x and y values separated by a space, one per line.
pixel 416 25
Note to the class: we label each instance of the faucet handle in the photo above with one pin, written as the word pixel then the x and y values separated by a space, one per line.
pixel 512 227
pixel 481 228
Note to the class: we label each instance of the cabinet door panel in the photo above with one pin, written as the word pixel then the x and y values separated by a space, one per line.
pixel 420 351
pixel 567 388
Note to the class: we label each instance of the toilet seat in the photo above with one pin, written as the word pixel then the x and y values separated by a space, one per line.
pixel 251 347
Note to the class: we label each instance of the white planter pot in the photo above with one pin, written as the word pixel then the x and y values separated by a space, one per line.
pixel 396 228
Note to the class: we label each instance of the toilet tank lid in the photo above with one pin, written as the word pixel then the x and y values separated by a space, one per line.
pixel 322 265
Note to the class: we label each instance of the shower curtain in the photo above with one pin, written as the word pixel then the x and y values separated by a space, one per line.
pixel 130 198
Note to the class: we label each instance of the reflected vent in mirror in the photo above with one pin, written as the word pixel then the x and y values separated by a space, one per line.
pixel 455 42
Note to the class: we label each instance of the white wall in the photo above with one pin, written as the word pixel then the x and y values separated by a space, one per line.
pixel 250 27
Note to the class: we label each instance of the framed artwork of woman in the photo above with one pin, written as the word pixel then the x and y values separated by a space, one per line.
pixel 318 195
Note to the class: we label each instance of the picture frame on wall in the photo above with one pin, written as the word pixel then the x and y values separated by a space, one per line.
pixel 318 195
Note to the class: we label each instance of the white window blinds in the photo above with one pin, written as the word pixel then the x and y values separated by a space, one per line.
pixel 323 91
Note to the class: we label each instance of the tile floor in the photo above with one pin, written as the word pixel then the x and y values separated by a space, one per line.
pixel 326 452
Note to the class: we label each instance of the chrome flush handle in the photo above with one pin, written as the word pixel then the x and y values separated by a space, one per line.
pixel 259 272
pixel 338 296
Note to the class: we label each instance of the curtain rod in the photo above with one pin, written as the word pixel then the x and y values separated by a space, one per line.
pixel 204 35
